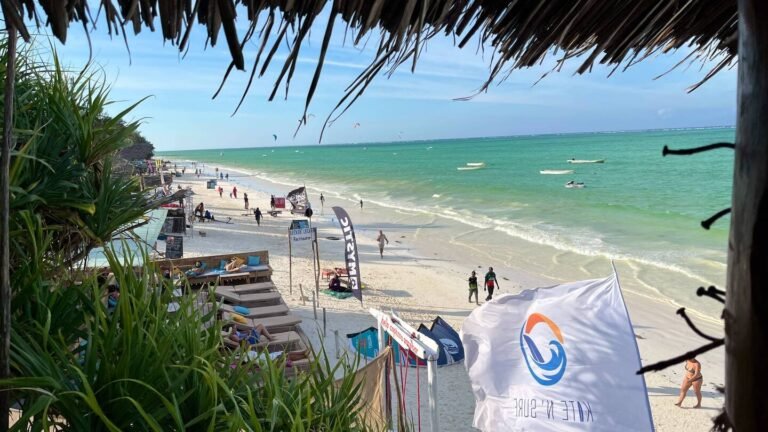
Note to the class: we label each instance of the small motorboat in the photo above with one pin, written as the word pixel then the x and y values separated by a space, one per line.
pixel 471 166
pixel 556 172
pixel 575 185
pixel 585 161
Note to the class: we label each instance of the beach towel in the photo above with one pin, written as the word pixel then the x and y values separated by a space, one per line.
pixel 336 294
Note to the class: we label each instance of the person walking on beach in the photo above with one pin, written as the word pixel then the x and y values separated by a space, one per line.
pixel 490 283
pixel 272 202
pixel 257 214
pixel 245 199
pixel 221 191
pixel 322 200
pixel 234 191
pixel 693 378
pixel 381 239
pixel 473 287
pixel 226 176
pixel 361 204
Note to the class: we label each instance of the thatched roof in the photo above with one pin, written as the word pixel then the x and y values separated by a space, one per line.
pixel 521 33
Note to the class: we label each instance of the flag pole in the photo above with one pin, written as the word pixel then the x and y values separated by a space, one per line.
pixel 634 340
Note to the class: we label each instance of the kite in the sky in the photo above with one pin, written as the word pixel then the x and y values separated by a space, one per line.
pixel 357 125
pixel 274 136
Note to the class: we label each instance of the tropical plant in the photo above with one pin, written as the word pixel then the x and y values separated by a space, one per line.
pixel 145 368
pixel 77 366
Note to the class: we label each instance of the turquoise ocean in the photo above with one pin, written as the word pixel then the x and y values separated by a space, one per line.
pixel 637 205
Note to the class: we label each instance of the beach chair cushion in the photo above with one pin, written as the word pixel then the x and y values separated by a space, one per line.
pixel 242 310
pixel 239 319
pixel 254 260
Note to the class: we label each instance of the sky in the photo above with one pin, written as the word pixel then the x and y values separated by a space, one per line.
pixel 180 114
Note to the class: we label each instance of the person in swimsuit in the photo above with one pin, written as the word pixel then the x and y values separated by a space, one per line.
pixel 381 239
pixel 692 378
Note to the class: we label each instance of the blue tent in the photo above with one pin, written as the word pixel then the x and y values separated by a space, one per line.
pixel 451 350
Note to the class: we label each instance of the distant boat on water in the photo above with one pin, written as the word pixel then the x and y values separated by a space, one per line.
pixel 556 172
pixel 575 185
pixel 471 166
pixel 585 161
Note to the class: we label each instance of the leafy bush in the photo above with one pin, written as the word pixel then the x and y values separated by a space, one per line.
pixel 75 365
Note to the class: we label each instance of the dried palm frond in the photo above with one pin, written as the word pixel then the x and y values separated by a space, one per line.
pixel 521 33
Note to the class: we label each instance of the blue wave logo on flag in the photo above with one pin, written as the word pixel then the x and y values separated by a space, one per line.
pixel 545 371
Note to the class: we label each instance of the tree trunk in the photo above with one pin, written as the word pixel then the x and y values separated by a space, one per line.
pixel 746 307
pixel 5 205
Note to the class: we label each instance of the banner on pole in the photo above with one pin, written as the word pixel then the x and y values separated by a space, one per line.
pixel 560 358
pixel 350 251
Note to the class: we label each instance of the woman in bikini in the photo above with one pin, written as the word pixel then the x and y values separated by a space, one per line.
pixel 692 378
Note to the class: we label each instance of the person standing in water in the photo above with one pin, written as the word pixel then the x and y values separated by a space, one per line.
pixel 245 200
pixel 473 287
pixel 361 204
pixel 257 214
pixel 693 378
pixel 381 239
pixel 490 283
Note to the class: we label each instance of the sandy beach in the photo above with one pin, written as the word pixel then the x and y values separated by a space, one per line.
pixel 423 274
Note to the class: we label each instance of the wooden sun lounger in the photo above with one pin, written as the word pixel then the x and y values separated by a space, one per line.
pixel 251 288
pixel 249 300
pixel 274 324
pixel 259 312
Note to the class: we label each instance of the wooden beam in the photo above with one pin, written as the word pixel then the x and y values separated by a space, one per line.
pixel 746 306
pixel 5 206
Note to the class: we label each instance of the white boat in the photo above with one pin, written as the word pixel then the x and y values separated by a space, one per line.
pixel 556 172
pixel 475 164
pixel 585 161
pixel 575 185
pixel 470 168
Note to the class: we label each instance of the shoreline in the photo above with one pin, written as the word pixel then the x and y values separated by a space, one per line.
pixel 423 275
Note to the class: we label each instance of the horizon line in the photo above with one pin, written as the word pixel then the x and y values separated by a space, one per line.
pixel 463 138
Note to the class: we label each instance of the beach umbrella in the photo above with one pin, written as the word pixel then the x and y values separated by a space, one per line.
pixel 521 34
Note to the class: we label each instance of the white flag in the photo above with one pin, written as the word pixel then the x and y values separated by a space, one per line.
pixel 561 358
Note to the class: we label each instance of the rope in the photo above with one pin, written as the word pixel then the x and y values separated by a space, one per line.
pixel 418 394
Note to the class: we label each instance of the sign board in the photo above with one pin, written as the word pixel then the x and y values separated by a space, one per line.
pixel 280 202
pixel 299 224
pixel 174 246
pixel 303 234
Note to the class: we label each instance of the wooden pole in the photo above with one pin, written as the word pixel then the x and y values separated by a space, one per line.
pixel 746 306
pixel 5 205
pixel 315 266
pixel 290 265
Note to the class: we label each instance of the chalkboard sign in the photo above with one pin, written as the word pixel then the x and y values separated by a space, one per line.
pixel 174 246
